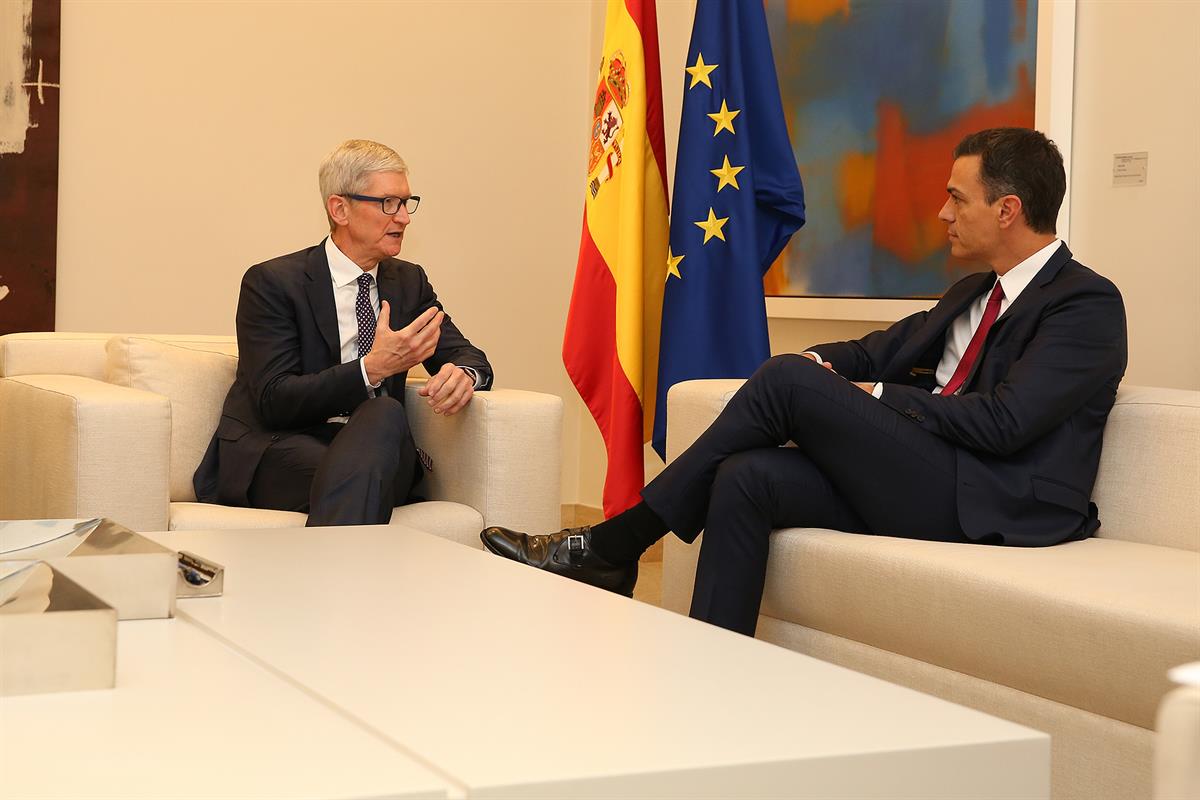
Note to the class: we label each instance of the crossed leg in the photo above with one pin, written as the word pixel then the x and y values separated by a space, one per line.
pixel 858 466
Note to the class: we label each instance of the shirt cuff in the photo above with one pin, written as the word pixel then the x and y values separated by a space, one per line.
pixel 367 381
pixel 877 392
pixel 815 355
pixel 474 373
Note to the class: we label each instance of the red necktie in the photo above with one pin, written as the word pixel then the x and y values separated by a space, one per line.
pixel 968 360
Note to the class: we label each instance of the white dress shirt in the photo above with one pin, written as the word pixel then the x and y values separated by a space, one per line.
pixel 345 273
pixel 958 336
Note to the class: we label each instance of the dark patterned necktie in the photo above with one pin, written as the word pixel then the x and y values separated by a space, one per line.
pixel 366 314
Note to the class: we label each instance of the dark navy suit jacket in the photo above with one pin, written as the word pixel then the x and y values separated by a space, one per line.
pixel 1029 421
pixel 290 376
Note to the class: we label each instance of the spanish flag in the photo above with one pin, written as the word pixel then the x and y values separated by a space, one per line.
pixel 610 348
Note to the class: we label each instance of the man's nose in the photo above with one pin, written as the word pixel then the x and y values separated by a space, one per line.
pixel 947 213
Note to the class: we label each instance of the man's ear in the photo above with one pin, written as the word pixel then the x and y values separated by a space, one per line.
pixel 1011 210
pixel 338 209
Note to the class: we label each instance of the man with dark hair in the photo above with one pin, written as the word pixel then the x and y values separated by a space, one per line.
pixel 1018 161
pixel 978 421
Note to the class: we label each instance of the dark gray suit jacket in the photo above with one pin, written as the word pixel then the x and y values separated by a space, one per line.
pixel 290 376
pixel 1029 421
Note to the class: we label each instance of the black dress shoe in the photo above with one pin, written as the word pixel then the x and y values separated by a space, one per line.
pixel 568 553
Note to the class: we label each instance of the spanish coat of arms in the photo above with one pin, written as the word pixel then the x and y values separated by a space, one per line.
pixel 612 95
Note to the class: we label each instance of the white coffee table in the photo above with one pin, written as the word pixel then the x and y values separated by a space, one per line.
pixel 191 718
pixel 517 683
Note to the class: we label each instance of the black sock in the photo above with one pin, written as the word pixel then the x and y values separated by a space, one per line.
pixel 627 535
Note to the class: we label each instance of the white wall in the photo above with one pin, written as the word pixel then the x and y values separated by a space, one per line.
pixel 191 132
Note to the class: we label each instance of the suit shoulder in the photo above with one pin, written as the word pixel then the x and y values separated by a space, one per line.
pixel 285 266
pixel 401 266
pixel 971 284
pixel 1076 277
pixel 404 270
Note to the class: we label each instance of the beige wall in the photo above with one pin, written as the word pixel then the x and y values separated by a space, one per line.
pixel 1137 87
pixel 191 133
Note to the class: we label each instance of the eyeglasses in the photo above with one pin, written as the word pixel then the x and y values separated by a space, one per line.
pixel 390 205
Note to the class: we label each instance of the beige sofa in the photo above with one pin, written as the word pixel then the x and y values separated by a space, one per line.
pixel 1073 640
pixel 114 425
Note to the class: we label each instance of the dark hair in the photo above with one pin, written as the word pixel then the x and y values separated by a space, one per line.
pixel 1023 162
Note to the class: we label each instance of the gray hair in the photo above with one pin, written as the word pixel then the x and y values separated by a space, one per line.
pixel 348 168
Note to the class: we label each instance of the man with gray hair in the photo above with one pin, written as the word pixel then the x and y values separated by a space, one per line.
pixel 314 421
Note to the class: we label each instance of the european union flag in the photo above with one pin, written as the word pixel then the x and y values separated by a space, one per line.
pixel 737 201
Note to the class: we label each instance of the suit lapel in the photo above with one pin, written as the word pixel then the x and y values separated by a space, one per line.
pixel 320 300
pixel 388 280
pixel 940 316
pixel 1027 302
pixel 389 289
pixel 1028 298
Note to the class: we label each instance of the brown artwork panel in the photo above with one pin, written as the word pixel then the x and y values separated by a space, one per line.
pixel 29 178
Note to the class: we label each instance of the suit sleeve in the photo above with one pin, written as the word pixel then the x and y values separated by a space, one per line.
pixel 453 347
pixel 865 358
pixel 269 352
pixel 1078 349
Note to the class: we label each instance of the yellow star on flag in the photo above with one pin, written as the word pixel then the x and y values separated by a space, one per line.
pixel 699 72
pixel 673 264
pixel 727 175
pixel 724 119
pixel 712 226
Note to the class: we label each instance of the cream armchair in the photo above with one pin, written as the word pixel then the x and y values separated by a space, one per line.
pixel 114 425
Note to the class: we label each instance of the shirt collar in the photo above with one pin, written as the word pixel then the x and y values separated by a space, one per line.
pixel 1016 279
pixel 342 269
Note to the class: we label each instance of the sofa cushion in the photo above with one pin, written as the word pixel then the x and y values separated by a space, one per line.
pixel 1146 489
pixel 195 381
pixel 186 516
pixel 53 354
pixel 1092 624
pixel 452 521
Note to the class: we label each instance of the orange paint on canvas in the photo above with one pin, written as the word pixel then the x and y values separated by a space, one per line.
pixel 856 189
pixel 811 12
pixel 776 278
pixel 907 197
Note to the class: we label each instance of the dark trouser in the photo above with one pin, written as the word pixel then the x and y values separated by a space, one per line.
pixel 858 466
pixel 352 474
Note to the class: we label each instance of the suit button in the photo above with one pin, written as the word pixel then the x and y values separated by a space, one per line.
pixel 920 417
pixel 274 437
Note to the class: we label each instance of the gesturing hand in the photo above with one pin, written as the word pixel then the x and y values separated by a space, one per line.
pixel 397 351
pixel 449 390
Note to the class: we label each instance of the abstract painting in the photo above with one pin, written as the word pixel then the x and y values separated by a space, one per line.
pixel 876 94
pixel 29 47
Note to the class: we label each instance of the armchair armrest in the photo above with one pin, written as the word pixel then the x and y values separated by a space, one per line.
pixel 691 408
pixel 501 455
pixel 1177 746
pixel 74 447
